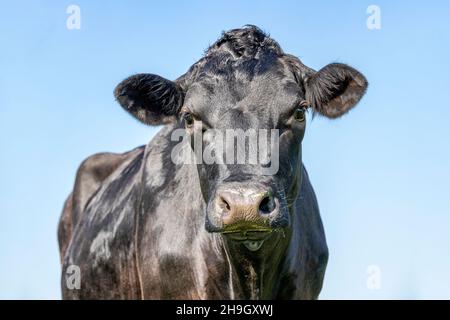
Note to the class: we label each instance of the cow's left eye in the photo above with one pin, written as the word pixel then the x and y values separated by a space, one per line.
pixel 188 119
pixel 299 114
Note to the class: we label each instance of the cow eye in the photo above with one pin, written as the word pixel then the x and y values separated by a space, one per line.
pixel 188 119
pixel 299 114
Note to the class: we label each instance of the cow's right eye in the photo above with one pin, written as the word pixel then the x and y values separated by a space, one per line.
pixel 299 114
pixel 188 119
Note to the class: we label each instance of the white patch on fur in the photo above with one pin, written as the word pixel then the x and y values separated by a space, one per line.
pixel 100 247
pixel 156 175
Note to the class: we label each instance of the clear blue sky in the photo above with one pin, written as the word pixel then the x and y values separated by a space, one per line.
pixel 381 173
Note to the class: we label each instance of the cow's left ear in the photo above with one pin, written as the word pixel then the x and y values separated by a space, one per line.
pixel 335 89
pixel 150 98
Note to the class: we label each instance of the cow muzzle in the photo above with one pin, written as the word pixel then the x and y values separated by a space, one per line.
pixel 247 214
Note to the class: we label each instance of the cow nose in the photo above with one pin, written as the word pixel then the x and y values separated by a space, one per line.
pixel 247 206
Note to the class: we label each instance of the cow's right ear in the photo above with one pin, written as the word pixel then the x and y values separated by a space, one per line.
pixel 150 98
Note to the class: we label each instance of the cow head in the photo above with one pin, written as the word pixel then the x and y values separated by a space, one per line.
pixel 245 82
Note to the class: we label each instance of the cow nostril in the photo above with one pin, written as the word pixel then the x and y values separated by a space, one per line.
pixel 224 204
pixel 267 205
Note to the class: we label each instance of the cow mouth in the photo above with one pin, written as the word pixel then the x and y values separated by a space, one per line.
pixel 252 239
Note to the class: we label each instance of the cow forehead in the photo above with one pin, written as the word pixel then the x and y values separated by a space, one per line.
pixel 264 95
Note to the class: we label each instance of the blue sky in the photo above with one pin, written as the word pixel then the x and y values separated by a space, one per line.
pixel 381 173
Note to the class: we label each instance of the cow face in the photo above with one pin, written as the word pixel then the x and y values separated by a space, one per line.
pixel 248 92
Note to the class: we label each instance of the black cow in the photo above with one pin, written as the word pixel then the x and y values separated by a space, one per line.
pixel 142 225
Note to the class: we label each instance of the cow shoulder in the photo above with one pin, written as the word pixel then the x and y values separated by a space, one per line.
pixel 90 175
pixel 99 243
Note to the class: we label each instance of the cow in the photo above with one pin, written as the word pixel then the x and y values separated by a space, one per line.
pixel 140 225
